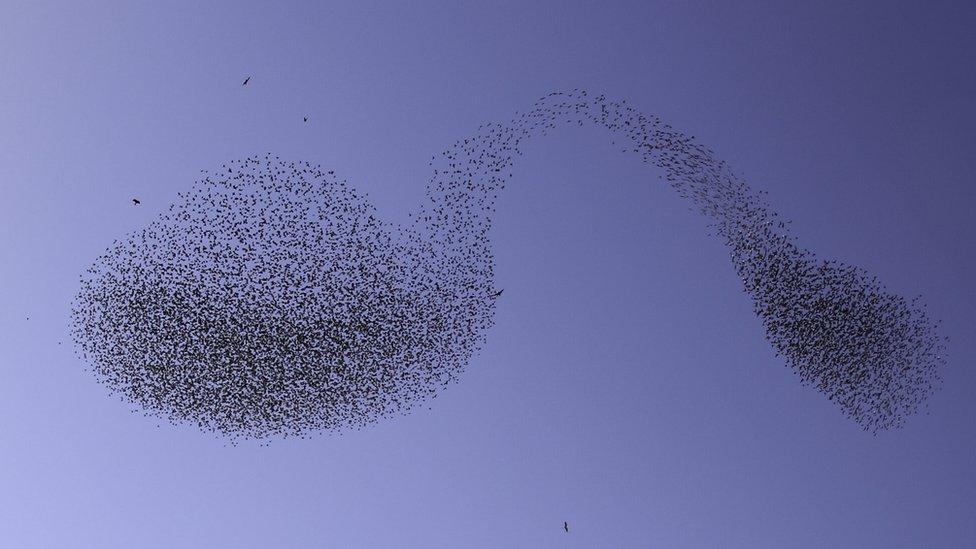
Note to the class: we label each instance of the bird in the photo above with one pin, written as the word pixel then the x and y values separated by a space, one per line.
pixel 566 526
pixel 498 293
pixel 136 202
pixel 246 80
pixel 306 119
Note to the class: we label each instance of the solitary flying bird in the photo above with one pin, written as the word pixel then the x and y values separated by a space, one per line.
pixel 135 201
pixel 566 527
pixel 246 80
pixel 498 293
pixel 306 119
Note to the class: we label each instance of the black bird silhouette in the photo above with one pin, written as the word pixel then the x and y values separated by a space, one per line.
pixel 135 201
pixel 498 293
pixel 566 526
pixel 246 80
pixel 306 119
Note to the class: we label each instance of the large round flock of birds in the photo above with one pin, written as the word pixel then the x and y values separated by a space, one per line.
pixel 269 300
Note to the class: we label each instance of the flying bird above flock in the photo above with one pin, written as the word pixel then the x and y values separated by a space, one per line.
pixel 271 300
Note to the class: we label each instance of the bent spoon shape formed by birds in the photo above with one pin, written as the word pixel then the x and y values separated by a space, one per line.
pixel 270 300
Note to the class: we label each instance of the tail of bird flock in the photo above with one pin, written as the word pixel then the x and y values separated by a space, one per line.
pixel 874 353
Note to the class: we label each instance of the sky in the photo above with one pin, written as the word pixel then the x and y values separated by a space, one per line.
pixel 626 387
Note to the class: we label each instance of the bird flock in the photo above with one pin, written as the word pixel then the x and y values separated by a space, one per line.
pixel 270 300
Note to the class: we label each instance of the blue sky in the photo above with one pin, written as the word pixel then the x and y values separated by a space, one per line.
pixel 626 387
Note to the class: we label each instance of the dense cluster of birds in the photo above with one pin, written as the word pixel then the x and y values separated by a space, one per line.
pixel 269 300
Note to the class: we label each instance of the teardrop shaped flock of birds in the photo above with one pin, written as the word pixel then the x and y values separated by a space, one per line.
pixel 269 300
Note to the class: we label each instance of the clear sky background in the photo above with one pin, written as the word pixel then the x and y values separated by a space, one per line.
pixel 626 388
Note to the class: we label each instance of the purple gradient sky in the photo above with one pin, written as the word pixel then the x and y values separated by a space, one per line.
pixel 626 388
